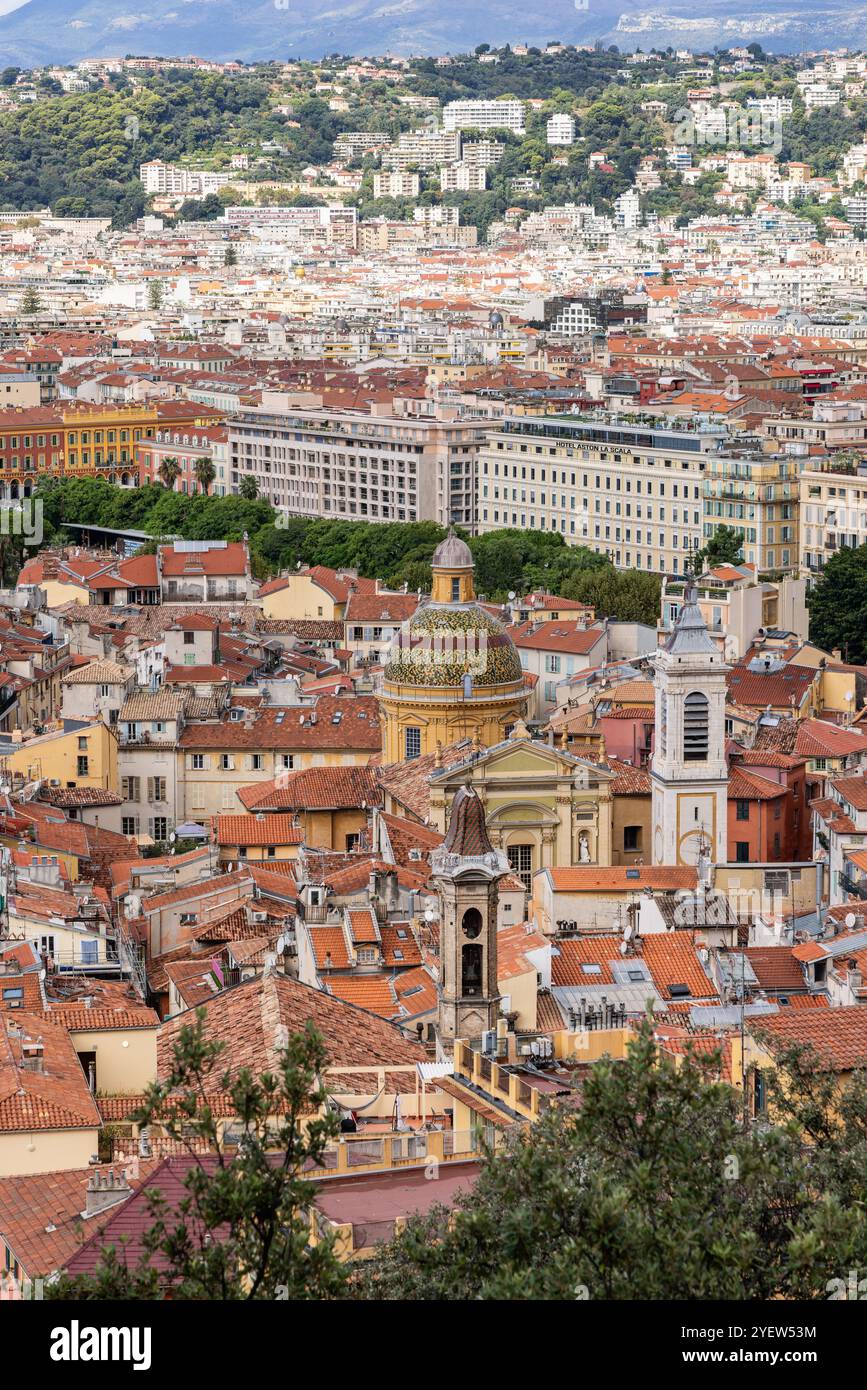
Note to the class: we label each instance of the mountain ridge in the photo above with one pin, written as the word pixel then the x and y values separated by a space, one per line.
pixel 68 30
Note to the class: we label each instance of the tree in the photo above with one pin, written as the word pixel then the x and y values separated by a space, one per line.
pixel 242 1231
pixel 838 605
pixel 169 471
pixel 231 257
pixel 724 547
pixel 652 1188
pixel 205 473
pixel 155 295
pixel 31 303
pixel 248 488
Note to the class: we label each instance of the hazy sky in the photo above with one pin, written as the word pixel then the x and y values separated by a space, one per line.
pixel 7 5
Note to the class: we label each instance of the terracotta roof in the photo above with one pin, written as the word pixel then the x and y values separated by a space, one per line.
pixel 630 781
pixel 314 788
pixel 853 790
pixel 838 1036
pixel 591 878
pixel 373 992
pixel 42 1214
pixel 329 948
pixel 341 721
pixel 776 968
pixel 249 1018
pixel 55 1098
pixel 749 786
pixel 257 831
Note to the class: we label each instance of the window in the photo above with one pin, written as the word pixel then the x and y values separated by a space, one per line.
pixel 743 809
pixel 129 825
pixel 89 952
pixel 521 860
pixel 189 638
pixel 552 664
pixel 287 761
pixel 160 828
pixel 412 743
pixel 631 838
pixel 227 762
pixel 456 591
pixel 198 762
pixel 696 719
pixel 742 852
pixel 257 761
pixel 366 955
pixel 81 768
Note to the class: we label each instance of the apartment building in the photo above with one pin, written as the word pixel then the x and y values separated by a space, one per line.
pixel 351 465
pixel 758 494
pixel 424 149
pixel 560 130
pixel 169 179
pixel 631 491
pixel 484 115
pixel 335 225
pixel 396 183
pixel 833 506
pixel 463 178
pixel 833 425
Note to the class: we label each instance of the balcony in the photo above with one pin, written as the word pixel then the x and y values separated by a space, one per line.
pixel 857 887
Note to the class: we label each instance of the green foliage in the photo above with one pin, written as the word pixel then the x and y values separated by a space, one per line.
pixel 398 553
pixel 242 1230
pixel 653 1188
pixel 838 605
pixel 724 547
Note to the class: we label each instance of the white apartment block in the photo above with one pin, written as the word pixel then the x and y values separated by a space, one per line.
pixel 833 515
pixel 426 149
pixel 170 179
pixel 353 466
pixel 854 164
pixel 353 143
pixel 396 183
pixel 560 130
pixel 463 178
pixel 821 95
pixel 484 115
pixel 336 225
pixel 629 491
pixel 483 154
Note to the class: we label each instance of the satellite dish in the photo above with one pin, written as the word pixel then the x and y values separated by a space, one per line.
pixel 851 919
pixel 628 932
pixel 172 838
pixel 624 948
pixel 280 947
pixel 511 595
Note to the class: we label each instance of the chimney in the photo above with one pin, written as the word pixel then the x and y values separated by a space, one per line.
pixel 853 974
pixel 105 1190
pixel 32 1054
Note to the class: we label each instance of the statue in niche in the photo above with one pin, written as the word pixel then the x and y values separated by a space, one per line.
pixel 583 848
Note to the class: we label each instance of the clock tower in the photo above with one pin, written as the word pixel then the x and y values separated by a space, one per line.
pixel 689 769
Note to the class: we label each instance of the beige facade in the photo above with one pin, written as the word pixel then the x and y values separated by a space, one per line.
pixel 543 807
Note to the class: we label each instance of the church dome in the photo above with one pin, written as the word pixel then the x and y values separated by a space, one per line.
pixel 442 643
pixel 452 554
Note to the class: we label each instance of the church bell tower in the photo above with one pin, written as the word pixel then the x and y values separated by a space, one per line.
pixel 467 870
pixel 689 769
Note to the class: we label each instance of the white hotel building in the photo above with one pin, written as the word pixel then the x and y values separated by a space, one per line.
pixel 633 492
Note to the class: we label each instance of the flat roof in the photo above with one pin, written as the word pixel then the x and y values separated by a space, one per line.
pixel 392 1194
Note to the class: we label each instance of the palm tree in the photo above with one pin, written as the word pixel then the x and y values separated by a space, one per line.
pixel 169 471
pixel 205 473
pixel 248 488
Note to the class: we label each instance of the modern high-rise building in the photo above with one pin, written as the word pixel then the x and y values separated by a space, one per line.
pixel 484 115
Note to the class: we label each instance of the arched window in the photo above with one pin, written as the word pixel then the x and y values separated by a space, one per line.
pixel 696 719
pixel 471 924
pixel 471 970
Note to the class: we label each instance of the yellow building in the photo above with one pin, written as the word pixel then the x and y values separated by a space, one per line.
pixel 455 672
pixel 82 757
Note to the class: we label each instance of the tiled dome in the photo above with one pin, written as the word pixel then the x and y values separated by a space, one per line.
pixel 488 653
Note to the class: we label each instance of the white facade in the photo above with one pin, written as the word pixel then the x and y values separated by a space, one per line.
pixel 560 130
pixel 484 115
pixel 689 772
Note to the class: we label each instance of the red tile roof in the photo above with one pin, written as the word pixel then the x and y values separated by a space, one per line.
pixel 837 1036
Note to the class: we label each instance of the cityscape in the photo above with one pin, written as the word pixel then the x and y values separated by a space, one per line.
pixel 433 667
